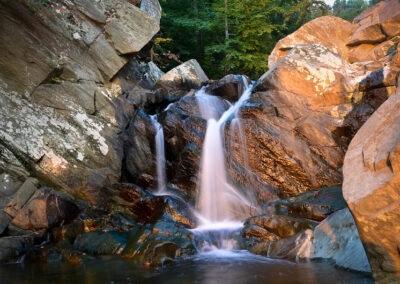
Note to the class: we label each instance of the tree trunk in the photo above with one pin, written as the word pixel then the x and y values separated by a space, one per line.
pixel 226 21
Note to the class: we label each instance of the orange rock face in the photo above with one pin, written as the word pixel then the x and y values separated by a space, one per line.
pixel 372 188
pixel 316 31
pixel 368 38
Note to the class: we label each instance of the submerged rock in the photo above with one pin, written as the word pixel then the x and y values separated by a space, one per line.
pixel 11 248
pixel 298 246
pixel 280 225
pixel 164 242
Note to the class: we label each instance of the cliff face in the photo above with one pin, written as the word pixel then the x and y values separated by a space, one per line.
pixel 62 116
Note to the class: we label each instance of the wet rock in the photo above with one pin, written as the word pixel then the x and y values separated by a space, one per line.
pixel 113 222
pixel 9 184
pixel 370 181
pixel 133 202
pixel 314 205
pixel 100 242
pixel 164 242
pixel 5 221
pixel 178 211
pixel 230 87
pixel 45 209
pixel 53 253
pixel 337 238
pixel 280 225
pixel 139 148
pixel 252 236
pixel 11 248
pixel 178 81
pixel 296 247
pixel 184 131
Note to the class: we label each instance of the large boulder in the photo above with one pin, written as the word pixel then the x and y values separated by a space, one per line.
pixel 178 81
pixel 366 39
pixel 61 117
pixel 316 31
pixel 377 24
pixel 45 209
pixel 371 181
pixel 153 8
pixel 295 121
pixel 337 238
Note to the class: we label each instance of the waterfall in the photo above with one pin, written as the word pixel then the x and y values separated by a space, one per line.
pixel 160 157
pixel 219 203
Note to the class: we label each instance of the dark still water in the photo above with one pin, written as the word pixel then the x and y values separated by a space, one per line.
pixel 220 267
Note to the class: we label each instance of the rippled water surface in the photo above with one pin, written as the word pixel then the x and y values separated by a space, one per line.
pixel 217 267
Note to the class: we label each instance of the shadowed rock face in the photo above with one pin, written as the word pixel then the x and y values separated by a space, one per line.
pixel 230 87
pixel 370 187
pixel 184 131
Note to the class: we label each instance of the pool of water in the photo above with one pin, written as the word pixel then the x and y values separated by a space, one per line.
pixel 216 267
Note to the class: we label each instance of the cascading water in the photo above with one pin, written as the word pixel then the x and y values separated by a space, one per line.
pixel 160 157
pixel 219 203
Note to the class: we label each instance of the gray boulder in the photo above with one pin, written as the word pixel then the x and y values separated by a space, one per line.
pixel 337 238
pixel 153 8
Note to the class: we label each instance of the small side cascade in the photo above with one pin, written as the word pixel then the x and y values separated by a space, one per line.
pixel 220 205
pixel 160 157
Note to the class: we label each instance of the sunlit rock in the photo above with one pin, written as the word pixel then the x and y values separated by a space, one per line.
pixel 371 181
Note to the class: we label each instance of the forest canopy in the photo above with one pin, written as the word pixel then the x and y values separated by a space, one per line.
pixel 236 36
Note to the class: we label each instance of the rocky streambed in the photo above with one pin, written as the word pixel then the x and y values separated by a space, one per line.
pixel 111 170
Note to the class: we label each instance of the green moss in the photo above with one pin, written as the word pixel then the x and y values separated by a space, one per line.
pixel 56 80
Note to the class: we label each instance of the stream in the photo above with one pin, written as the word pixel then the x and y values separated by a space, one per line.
pixel 216 267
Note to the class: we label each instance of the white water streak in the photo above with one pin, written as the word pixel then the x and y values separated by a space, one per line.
pixel 160 157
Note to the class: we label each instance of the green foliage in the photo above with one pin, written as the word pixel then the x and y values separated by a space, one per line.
pixel 349 9
pixel 198 30
pixel 56 80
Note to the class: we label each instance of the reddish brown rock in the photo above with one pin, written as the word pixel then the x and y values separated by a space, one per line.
pixel 46 209
pixel 371 188
pixel 133 202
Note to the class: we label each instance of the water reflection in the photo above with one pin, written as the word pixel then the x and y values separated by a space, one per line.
pixel 214 267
